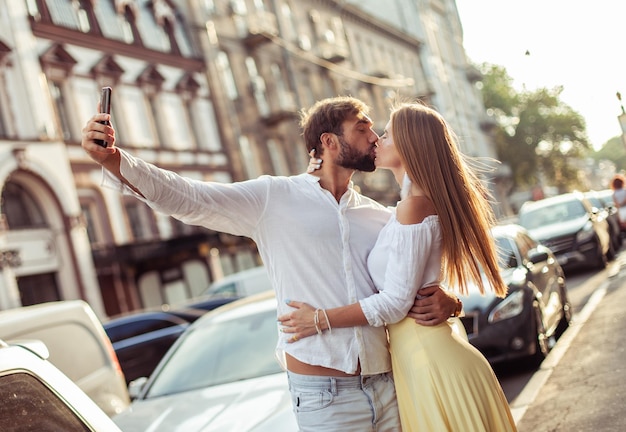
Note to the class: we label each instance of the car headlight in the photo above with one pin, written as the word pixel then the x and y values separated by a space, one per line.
pixel 586 233
pixel 511 306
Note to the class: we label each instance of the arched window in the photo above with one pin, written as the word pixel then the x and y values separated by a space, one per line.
pixel 20 209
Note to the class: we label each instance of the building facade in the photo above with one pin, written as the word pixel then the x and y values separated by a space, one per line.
pixel 211 89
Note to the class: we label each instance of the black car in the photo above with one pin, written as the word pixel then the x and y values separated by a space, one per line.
pixel 574 230
pixel 140 339
pixel 536 309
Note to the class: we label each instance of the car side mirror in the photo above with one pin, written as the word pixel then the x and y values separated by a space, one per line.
pixel 135 387
pixel 536 256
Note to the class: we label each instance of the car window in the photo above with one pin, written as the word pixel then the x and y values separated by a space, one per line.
pixel 226 289
pixel 90 347
pixel 595 202
pixel 219 353
pixel 507 258
pixel 575 209
pixel 28 404
pixel 127 328
pixel 552 214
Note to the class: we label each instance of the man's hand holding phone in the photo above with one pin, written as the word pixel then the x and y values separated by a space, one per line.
pixel 105 108
pixel 98 137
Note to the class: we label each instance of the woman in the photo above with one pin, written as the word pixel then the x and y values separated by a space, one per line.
pixel 440 234
pixel 619 198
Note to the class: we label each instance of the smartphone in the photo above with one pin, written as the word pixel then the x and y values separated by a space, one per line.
pixel 105 107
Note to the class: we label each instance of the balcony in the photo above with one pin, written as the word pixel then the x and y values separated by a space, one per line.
pixel 333 52
pixel 286 110
pixel 260 27
pixel 473 74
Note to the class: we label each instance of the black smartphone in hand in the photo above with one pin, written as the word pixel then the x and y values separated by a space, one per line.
pixel 105 107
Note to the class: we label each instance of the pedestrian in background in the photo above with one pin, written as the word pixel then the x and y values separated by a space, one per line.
pixel 619 198
pixel 440 233
pixel 318 253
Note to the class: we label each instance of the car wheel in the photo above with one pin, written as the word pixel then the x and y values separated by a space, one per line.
pixel 601 260
pixel 542 341
pixel 610 254
pixel 566 314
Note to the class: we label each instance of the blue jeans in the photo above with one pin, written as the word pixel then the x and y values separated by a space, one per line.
pixel 337 404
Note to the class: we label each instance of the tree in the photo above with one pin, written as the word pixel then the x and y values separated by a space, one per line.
pixel 615 151
pixel 537 135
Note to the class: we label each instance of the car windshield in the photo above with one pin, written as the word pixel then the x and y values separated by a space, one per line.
pixel 506 254
pixel 219 353
pixel 552 214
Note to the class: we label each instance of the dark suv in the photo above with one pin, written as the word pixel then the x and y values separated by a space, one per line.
pixel 576 232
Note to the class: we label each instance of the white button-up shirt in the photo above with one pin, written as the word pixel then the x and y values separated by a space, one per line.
pixel 315 249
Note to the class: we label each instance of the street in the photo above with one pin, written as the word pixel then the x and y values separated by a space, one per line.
pixel 581 284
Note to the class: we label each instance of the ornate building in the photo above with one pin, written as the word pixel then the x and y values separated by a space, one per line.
pixel 208 88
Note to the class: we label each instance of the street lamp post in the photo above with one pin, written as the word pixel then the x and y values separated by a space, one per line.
pixel 622 119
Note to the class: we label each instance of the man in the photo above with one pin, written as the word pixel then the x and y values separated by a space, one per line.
pixel 314 233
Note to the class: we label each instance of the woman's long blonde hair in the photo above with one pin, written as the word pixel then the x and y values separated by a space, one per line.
pixel 429 152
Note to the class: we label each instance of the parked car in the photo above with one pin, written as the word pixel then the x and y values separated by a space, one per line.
pixel 569 225
pixel 196 307
pixel 141 339
pixel 241 284
pixel 37 396
pixel 220 375
pixel 77 345
pixel 536 309
pixel 601 201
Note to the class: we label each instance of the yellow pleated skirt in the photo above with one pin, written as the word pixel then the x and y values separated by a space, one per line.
pixel 443 383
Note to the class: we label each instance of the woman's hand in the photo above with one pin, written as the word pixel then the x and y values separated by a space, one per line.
pixel 314 163
pixel 94 130
pixel 300 323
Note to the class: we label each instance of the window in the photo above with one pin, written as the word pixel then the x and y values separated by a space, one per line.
pixel 20 209
pixel 153 34
pixel 291 30
pixel 248 157
pixel 507 255
pixel 70 14
pixel 117 20
pixel 205 124
pixel 5 54
pixel 285 98
pixel 258 87
pixel 94 216
pixel 61 108
pixel 159 126
pixel 38 288
pixel 228 79
pixel 140 219
pixel 23 397
pixel 132 104
pixel 277 155
pixel 177 129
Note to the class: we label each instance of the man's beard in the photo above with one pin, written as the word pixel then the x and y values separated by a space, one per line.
pixel 352 159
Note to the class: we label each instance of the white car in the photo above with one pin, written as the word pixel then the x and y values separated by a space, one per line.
pixel 220 375
pixel 241 284
pixel 36 396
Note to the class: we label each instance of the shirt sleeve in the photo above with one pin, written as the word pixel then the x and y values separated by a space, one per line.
pixel 411 247
pixel 234 208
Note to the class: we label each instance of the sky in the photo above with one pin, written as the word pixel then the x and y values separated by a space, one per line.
pixel 577 44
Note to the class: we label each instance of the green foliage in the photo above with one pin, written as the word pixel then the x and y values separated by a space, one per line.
pixel 538 135
pixel 615 151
